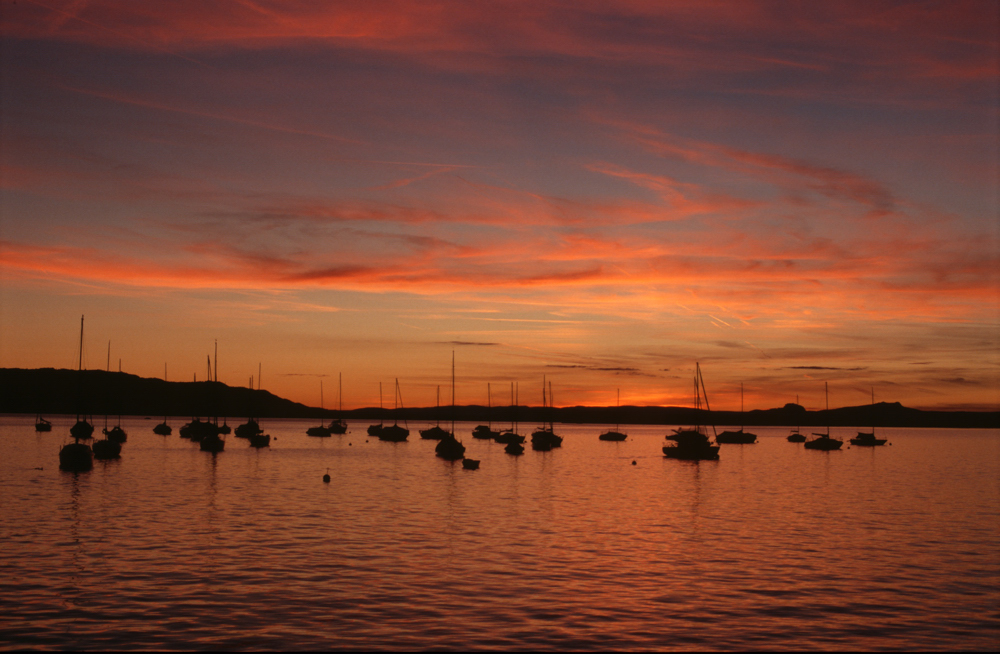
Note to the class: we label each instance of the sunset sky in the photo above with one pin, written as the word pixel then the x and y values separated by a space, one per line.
pixel 602 193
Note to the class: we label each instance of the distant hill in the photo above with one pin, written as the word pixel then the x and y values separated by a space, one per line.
pixel 96 392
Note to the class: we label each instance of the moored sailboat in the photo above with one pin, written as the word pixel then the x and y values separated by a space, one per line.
pixel 485 432
pixel 436 432
pixel 737 437
pixel 795 436
pixel 544 438
pixel 376 430
pixel 394 433
pixel 615 435
pixel 867 438
pixel 77 456
pixel 510 436
pixel 338 425
pixel 321 430
pixel 692 444
pixel 824 442
pixel 449 448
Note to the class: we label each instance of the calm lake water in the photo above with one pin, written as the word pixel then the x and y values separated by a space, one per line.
pixel 772 547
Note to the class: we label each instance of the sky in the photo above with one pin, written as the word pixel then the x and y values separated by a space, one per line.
pixel 603 194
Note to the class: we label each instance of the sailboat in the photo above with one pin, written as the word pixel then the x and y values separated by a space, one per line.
pixel 795 436
pixel 394 433
pixel 435 433
pixel 116 434
pixel 514 441
pixel 251 427
pixel 41 424
pixel 692 444
pixel 485 432
pixel 824 442
pixel 321 430
pixel 110 446
pixel 338 425
pixel 449 448
pixel 544 438
pixel 258 439
pixel 77 456
pixel 737 437
pixel 376 430
pixel 867 438
pixel 509 436
pixel 615 435
pixel 163 429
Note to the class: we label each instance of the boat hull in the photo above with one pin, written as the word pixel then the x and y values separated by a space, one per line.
pixel 824 444
pixel 736 438
pixel 612 436
pixel 76 457
pixel 105 450
pixel 450 449
pixel 709 453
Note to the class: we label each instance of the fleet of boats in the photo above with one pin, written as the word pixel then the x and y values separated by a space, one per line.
pixel 686 443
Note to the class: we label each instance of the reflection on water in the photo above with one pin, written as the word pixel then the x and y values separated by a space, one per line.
pixel 772 546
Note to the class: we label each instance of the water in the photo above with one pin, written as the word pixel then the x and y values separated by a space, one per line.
pixel 772 547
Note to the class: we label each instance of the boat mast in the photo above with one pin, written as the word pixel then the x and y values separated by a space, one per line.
pixel 489 406
pixel 826 391
pixel 552 409
pixel 80 369
pixel 705 393
pixel 742 419
pixel 618 410
pixel 453 393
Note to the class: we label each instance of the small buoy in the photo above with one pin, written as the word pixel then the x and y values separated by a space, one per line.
pixel 350 444
pixel 633 463
pixel 326 477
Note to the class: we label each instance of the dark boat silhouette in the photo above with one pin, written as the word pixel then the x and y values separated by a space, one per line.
pixel 544 438
pixel 251 427
pixel 867 438
pixel 213 443
pixel 485 432
pixel 198 430
pixel 260 440
pixel 82 429
pixel 394 433
pixel 509 437
pixel 692 444
pixel 615 435
pixel 321 430
pixel 449 448
pixel 163 429
pixel 824 442
pixel 106 448
pixel 436 432
pixel 514 448
pixel 248 429
pixel 795 436
pixel 338 425
pixel 737 437
pixel 376 430
pixel 470 464
pixel 41 424
pixel 116 434
pixel 76 456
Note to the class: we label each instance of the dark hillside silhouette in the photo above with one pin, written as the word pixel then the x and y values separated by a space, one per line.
pixel 52 392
